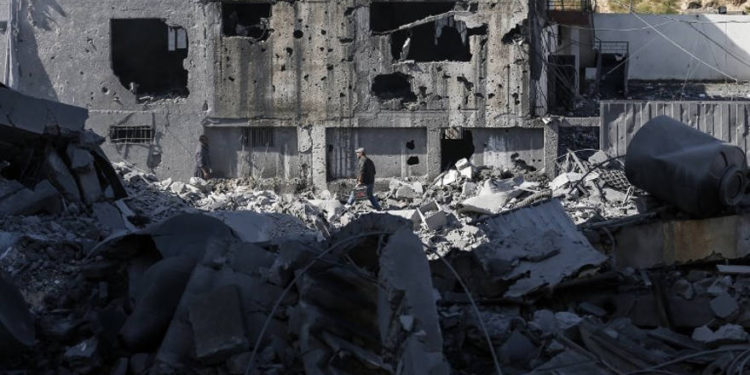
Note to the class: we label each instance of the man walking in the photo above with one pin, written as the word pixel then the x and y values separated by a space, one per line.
pixel 366 177
pixel 202 162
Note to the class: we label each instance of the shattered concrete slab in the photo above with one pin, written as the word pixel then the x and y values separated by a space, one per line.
pixel 519 253
pixel 43 198
pixel 39 116
pixel 17 328
pixel 488 204
pixel 218 328
pixel 403 267
pixel 432 215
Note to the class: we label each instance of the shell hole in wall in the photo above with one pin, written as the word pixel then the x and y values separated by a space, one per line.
pixel 441 40
pixel 147 57
pixel 393 86
pixel 246 20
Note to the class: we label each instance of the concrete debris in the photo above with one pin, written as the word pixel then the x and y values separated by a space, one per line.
pixel 534 247
pixel 724 306
pixel 216 319
pixel 50 165
pixel 432 215
pixel 488 203
pixel 564 180
pixel 726 334
pixel 16 323
pixel 222 276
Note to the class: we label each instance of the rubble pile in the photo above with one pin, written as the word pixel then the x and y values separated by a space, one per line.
pixel 480 271
pixel 48 159
pixel 154 201
pixel 174 302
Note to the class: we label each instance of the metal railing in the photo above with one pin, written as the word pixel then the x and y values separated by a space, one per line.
pixel 570 5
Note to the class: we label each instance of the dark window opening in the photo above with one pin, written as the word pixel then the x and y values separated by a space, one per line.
pixel 442 40
pixel 258 137
pixel 392 86
pixel 613 78
pixel 410 145
pixel 131 134
pixel 392 15
pixel 147 57
pixel 516 35
pixel 455 144
pixel 248 20
pixel 561 78
pixel 412 160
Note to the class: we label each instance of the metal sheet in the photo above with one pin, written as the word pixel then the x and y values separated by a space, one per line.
pixel 620 119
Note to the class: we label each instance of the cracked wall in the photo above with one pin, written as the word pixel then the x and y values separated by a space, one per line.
pixel 307 66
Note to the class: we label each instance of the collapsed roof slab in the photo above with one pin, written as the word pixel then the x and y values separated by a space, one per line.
pixel 39 116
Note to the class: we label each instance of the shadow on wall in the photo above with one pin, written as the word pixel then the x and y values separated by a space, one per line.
pixel 33 76
pixel 42 12
pixel 718 40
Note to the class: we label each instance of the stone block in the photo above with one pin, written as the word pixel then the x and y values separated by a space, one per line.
pixel 432 215
pixel 218 329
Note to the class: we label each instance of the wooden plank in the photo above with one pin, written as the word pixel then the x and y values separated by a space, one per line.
pixel 694 114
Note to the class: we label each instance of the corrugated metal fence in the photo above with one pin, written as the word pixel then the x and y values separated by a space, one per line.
pixel 620 120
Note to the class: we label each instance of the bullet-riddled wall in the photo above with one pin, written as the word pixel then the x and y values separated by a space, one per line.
pixel 155 76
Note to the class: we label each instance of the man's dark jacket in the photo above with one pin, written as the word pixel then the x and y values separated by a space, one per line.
pixel 366 170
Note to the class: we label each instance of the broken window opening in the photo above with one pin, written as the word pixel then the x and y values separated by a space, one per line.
pixel 393 86
pixel 454 147
pixel 392 15
pixel 147 57
pixel 412 160
pixel 246 20
pixel 561 83
pixel 131 134
pixel 442 40
pixel 258 137
pixel 517 35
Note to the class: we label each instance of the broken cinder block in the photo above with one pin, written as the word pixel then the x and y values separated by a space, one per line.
pixel 432 215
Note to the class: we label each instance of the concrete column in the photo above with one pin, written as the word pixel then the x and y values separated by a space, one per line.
pixel 319 163
pixel 433 152
pixel 551 144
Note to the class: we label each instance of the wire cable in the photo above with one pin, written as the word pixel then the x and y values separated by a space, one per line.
pixel 681 48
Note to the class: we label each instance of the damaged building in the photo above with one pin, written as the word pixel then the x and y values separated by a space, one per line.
pixel 288 89
pixel 559 191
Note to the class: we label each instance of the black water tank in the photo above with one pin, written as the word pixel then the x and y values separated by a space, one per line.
pixel 696 172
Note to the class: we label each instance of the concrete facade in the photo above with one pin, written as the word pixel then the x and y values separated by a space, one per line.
pixel 320 77
pixel 719 40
